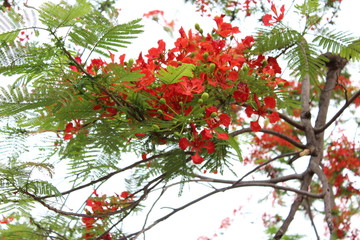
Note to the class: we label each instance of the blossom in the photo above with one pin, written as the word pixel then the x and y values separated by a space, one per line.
pixel 6 220
pixel 198 144
pixel 71 129
pixel 154 14
pixel 277 18
pixel 266 19
pixel 124 195
pixel 197 159
pixel 242 94
pixel 255 126
pixel 224 29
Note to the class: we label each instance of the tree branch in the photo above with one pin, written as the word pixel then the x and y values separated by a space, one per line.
pixel 341 110
pixel 288 120
pixel 241 184
pixel 294 207
pixel 272 132
pixel 146 189
pixel 329 203
pixel 267 162
pixel 108 176
pixel 311 217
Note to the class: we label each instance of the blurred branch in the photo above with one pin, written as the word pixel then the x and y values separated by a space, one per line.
pixel 341 110
pixel 108 176
pixel 272 132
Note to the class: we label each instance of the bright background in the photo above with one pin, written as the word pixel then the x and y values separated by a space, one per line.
pixel 204 218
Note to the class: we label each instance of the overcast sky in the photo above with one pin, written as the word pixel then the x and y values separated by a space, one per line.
pixel 205 217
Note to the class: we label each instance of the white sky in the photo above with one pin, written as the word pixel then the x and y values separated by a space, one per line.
pixel 205 217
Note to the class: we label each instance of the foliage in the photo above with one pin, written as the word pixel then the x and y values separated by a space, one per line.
pixel 178 111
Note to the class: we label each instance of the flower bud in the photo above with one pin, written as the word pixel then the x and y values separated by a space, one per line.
pixel 205 96
pixel 213 114
pixel 162 101
pixel 130 62
pixel 155 127
pixel 200 100
pixel 198 28
pixel 206 55
pixel 212 67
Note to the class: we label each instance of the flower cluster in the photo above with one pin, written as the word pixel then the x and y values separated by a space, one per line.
pixel 101 205
pixel 342 157
pixel 192 84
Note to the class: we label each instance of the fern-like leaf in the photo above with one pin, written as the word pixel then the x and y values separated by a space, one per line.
pixel 175 74
pixel 308 7
pixel 303 61
pixel 98 34
pixel 41 188
pixel 12 23
pixel 16 100
pixel 276 39
pixel 339 42
pixel 63 14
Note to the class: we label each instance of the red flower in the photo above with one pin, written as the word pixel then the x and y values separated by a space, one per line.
pixel 255 126
pixel 70 129
pixel 6 220
pixel 124 195
pixel 273 117
pixel 153 12
pixel 266 19
pixel 197 159
pixel 278 17
pixel 270 102
pixel 224 136
pixel 97 107
pixel 242 94
pixel 198 144
pixel 225 29
pixel 112 111
pixel 214 122
pixel 247 41
pixel 68 136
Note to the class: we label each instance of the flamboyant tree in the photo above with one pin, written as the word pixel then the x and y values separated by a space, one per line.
pixel 78 107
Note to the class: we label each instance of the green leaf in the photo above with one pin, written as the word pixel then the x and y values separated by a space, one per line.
pixel 339 42
pixel 303 60
pixel 63 14
pixel 98 34
pixel 235 145
pixel 275 39
pixel 173 74
pixel 16 100
pixel 308 7
pixel 11 24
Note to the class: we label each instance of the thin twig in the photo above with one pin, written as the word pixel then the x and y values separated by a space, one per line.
pixel 267 162
pixel 311 217
pixel 272 132
pixel 241 184
pixel 341 110
pixel 106 177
